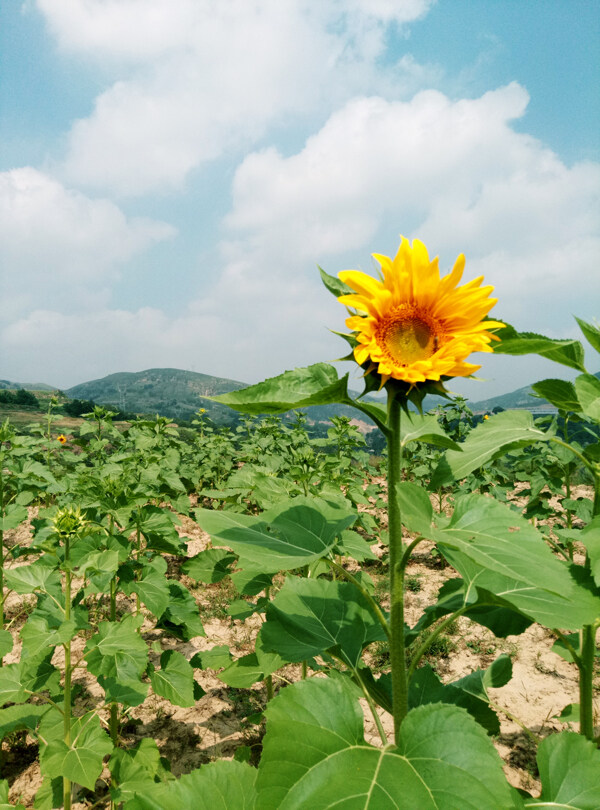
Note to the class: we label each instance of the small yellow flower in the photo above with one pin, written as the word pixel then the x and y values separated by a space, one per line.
pixel 412 325
pixel 486 417
pixel 62 438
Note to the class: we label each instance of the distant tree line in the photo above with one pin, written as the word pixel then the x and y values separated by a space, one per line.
pixel 20 399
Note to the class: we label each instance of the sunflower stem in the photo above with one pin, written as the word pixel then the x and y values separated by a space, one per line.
pixel 397 638
pixel 586 681
pixel 68 675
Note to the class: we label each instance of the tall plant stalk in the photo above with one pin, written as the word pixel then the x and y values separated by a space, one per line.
pixel 397 639
pixel 586 681
pixel 68 673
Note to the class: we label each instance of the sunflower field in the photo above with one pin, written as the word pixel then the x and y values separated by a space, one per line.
pixel 258 619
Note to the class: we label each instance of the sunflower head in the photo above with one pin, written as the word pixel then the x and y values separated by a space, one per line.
pixel 62 438
pixel 69 521
pixel 414 327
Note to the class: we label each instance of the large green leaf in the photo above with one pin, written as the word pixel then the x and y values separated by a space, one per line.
pixel 415 507
pixel 469 692
pixel 242 672
pixel 590 537
pixel 591 332
pixel 13 516
pixel 209 566
pixel 16 718
pixel 559 393
pixel 588 394
pixel 80 762
pixel 314 385
pixel 567 352
pixel 33 577
pixel 314 733
pixel 569 768
pixel 37 636
pixel 290 535
pixel 175 679
pixel 181 618
pixel 118 656
pixel 149 582
pixel 309 616
pixel 50 795
pixel 11 688
pixel 315 756
pixel 222 785
pixel 484 608
pixel 352 544
pixel 489 440
pixel 134 769
pixel 425 428
pixel 247 670
pixel 41 675
pixel 157 526
pixel 496 550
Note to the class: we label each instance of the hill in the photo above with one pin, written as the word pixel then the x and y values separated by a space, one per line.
pixel 166 391
pixel 521 398
pixel 177 394
pixel 6 385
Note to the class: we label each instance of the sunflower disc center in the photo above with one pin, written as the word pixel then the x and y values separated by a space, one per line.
pixel 409 340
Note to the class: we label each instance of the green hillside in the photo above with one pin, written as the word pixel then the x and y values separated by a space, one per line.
pixel 179 394
pixel 175 393
pixel 15 386
pixel 166 391
pixel 521 398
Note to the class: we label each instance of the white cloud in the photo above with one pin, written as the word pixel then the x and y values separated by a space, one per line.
pixel 196 80
pixel 246 341
pixel 57 245
pixel 140 30
pixel 452 173
pixel 455 170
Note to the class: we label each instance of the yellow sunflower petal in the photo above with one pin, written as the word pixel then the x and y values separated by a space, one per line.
pixel 361 282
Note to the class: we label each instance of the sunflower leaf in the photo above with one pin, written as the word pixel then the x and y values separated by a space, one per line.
pixel 588 394
pixel 318 758
pixel 591 332
pixel 569 771
pixel 215 786
pixel 489 440
pixel 334 285
pixel 313 385
pixel 559 393
pixel 567 352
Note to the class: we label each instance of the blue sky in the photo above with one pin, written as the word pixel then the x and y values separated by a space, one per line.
pixel 172 171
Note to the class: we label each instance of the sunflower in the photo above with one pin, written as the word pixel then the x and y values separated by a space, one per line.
pixel 62 438
pixel 417 326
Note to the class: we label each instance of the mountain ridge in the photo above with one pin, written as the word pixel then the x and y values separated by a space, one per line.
pixel 179 393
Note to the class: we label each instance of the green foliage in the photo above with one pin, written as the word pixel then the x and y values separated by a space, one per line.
pixel 443 758
pixel 567 352
pixel 20 399
pixel 569 771
pixel 292 510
